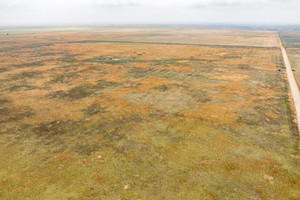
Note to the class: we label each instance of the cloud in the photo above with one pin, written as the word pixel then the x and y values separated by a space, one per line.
pixel 148 11
pixel 114 3
pixel 16 4
pixel 240 3
pixel 59 4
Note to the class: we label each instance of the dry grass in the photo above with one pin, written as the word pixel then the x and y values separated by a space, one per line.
pixel 206 36
pixel 115 120
pixel 291 41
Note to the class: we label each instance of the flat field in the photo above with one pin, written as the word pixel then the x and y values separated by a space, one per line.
pixel 86 115
pixel 200 36
pixel 291 42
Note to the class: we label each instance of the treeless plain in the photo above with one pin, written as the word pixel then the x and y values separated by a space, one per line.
pixel 86 114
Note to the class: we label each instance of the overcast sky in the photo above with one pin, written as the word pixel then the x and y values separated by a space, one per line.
pixel 92 12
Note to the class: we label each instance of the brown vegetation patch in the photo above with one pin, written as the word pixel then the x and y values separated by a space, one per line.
pixel 88 114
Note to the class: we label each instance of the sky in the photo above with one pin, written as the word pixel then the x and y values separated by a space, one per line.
pixel 97 12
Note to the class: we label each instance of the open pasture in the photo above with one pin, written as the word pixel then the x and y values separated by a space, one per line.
pixel 291 42
pixel 83 116
pixel 203 37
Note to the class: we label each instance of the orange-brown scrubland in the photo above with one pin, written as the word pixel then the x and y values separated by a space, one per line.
pixel 126 114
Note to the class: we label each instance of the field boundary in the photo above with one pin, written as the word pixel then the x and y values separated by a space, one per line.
pixel 292 82
pixel 173 43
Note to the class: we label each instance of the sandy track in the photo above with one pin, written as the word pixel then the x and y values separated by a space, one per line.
pixel 292 82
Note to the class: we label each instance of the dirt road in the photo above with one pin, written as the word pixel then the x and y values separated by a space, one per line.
pixel 292 82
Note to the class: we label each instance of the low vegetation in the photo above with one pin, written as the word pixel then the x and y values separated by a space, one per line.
pixel 291 42
pixel 144 121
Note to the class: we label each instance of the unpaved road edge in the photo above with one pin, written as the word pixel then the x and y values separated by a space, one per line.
pixel 292 82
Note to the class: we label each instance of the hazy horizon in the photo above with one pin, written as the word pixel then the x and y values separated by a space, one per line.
pixel 122 12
